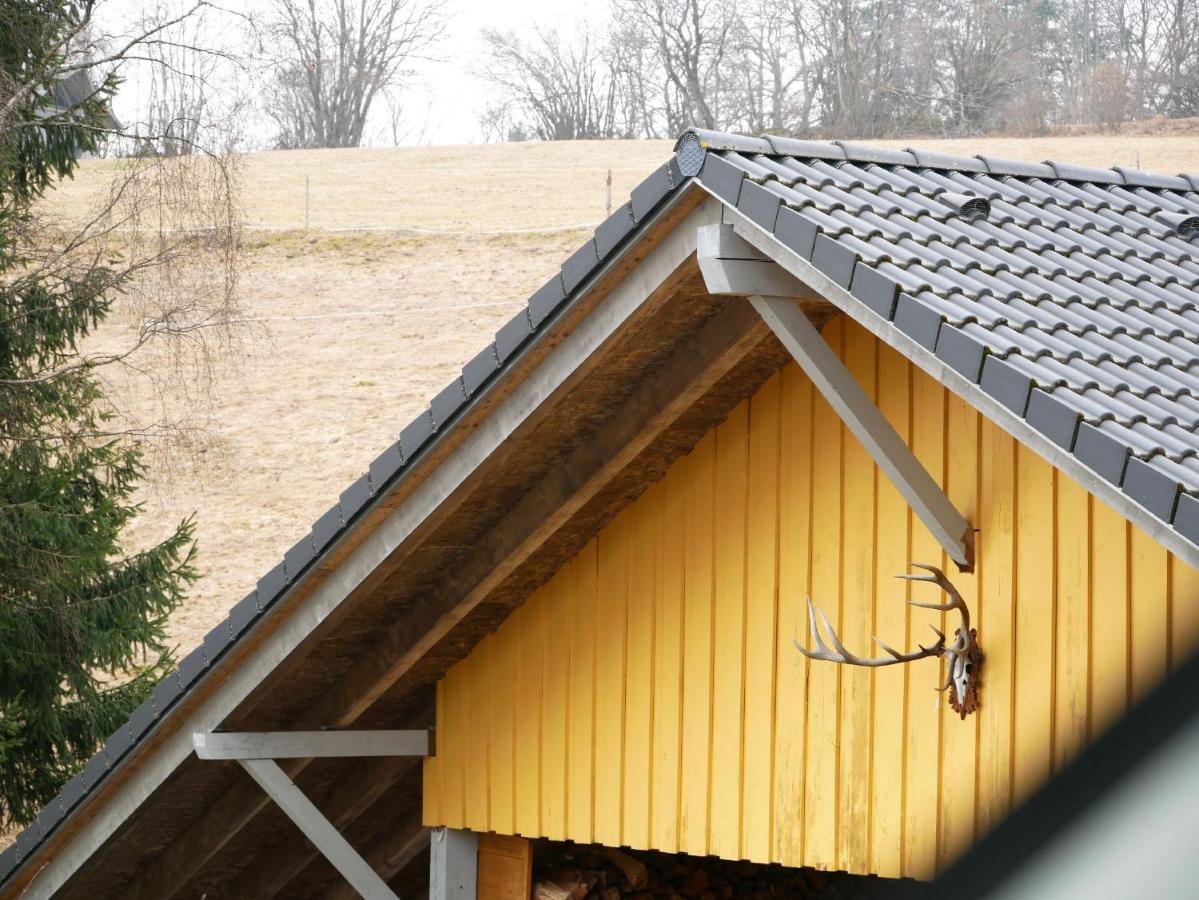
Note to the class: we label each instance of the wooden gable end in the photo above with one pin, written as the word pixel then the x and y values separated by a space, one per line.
pixel 649 694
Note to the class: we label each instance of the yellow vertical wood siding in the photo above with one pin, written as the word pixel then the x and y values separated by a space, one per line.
pixel 649 694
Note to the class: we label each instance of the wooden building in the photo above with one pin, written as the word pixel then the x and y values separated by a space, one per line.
pixel 784 369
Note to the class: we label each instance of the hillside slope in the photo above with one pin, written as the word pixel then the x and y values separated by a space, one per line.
pixel 355 330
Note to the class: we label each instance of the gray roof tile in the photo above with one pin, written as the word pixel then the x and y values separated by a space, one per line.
pixel 1151 487
pixel 97 767
pixel 917 320
pixel 326 528
pixel 866 153
pixel 1100 452
pixel 785 146
pixel 834 260
pixel 448 401
pixel 613 230
pixel 215 642
pixel 999 166
pixel 796 232
pixel 243 613
pixel 647 195
pixel 1006 383
pixel 577 267
pixel 272 584
pixel 353 498
pixel 963 352
pixel 548 298
pixel 512 335
pixel 874 289
pixel 1152 179
pixel 1053 417
pixel 301 554
pixel 414 436
pixel 1186 518
pixel 722 178
pixel 933 159
pixel 384 466
pixel 760 204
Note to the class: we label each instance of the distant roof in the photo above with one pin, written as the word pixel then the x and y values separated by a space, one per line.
pixel 74 90
pixel 1068 295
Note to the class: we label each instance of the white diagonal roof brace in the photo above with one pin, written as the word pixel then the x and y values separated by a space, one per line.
pixel 318 829
pixel 867 423
pixel 717 246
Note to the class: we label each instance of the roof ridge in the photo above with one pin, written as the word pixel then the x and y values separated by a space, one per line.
pixel 854 151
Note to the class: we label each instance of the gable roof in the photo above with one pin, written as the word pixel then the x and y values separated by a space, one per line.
pixel 1068 296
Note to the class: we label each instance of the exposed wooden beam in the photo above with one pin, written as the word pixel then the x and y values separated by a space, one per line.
pixel 389 855
pixel 309 744
pixel 867 423
pixel 690 372
pixel 356 870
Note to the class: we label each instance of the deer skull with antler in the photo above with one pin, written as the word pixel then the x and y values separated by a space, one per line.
pixel 963 656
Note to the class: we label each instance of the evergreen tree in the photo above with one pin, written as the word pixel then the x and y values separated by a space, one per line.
pixel 82 640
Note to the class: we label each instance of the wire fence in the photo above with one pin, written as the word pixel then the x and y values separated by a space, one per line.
pixel 408 229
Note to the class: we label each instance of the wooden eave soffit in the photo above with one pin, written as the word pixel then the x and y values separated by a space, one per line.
pixel 730 265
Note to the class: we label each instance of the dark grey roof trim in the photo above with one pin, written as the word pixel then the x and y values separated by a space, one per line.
pixel 545 306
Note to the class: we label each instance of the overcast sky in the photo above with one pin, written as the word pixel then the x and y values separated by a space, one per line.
pixel 444 101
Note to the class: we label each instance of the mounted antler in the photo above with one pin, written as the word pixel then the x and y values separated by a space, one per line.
pixel 963 655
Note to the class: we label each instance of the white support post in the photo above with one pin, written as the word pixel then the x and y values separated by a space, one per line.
pixel 318 829
pixel 453 864
pixel 309 744
pixel 867 423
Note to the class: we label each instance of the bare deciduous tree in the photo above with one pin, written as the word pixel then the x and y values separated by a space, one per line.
pixel 869 68
pixel 552 87
pixel 162 240
pixel 333 58
pixel 692 41
pixel 983 46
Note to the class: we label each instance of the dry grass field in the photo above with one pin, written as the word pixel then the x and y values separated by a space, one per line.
pixel 356 329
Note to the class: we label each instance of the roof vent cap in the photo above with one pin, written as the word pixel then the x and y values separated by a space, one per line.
pixel 1185 225
pixel 968 206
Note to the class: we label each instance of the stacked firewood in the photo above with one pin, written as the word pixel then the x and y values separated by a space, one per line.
pixel 566 872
